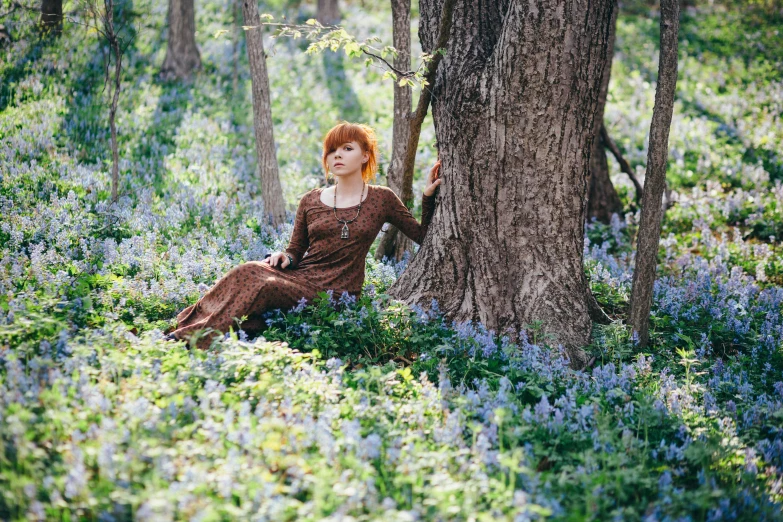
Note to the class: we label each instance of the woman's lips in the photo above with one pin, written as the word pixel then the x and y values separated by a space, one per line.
pixel 338 164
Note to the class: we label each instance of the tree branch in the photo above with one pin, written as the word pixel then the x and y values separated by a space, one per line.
pixel 624 165
pixel 399 73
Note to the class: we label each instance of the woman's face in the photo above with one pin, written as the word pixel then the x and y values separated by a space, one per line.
pixel 347 159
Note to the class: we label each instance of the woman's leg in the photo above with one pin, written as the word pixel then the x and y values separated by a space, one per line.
pixel 249 289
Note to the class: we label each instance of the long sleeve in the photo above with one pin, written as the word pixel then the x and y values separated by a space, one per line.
pixel 300 240
pixel 400 216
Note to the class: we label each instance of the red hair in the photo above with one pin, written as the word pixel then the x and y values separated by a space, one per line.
pixel 362 134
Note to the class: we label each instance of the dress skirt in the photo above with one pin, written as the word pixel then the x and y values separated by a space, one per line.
pixel 250 289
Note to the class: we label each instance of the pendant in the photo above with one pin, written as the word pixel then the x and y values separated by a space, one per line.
pixel 344 234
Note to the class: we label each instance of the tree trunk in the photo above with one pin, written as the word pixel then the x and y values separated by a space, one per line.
pixel 655 177
pixel 51 16
pixel 440 38
pixel 602 198
pixel 328 12
pixel 115 48
pixel 392 243
pixel 271 191
pixel 514 106
pixel 115 157
pixel 182 54
pixel 236 8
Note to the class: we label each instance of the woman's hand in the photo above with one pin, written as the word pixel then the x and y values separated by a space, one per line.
pixel 433 180
pixel 275 258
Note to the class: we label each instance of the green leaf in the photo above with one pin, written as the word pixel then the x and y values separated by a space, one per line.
pixel 353 49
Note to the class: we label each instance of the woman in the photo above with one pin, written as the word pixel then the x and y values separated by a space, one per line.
pixel 333 231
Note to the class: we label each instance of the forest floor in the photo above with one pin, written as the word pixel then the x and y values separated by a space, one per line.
pixel 371 410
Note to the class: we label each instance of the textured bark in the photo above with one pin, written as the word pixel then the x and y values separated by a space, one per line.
pixel 328 12
pixel 515 103
pixel 182 54
pixel 393 244
pixel 655 177
pixel 602 198
pixel 51 16
pixel 271 190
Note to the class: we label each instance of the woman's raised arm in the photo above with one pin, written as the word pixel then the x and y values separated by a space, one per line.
pixel 400 216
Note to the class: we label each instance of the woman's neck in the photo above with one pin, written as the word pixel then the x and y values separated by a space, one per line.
pixel 350 186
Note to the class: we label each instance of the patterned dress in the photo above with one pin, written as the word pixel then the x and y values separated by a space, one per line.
pixel 322 260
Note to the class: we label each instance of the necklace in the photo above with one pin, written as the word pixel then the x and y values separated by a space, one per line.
pixel 344 233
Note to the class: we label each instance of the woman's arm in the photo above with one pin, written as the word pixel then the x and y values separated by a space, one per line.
pixel 300 241
pixel 400 216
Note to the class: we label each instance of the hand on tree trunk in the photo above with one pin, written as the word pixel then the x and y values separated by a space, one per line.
pixel 433 180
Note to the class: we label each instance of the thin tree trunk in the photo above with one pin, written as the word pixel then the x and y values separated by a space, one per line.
pixel 514 108
pixel 51 16
pixel 236 10
pixel 602 198
pixel 115 169
pixel 392 243
pixel 655 177
pixel 439 33
pixel 110 33
pixel 416 119
pixel 271 190
pixel 182 54
pixel 328 12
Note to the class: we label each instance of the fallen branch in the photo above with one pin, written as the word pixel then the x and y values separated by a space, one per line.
pixel 403 359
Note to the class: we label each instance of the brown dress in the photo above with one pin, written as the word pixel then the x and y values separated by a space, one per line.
pixel 322 261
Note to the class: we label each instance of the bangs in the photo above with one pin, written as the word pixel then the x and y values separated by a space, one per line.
pixel 343 134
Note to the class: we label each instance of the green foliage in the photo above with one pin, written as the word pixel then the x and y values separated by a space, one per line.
pixel 366 333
